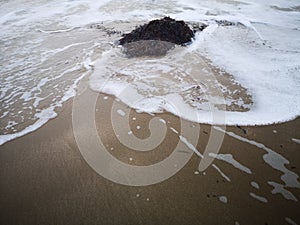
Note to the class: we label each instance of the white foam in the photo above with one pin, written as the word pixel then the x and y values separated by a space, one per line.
pixel 296 140
pixel 255 52
pixel 163 121
pixel 280 189
pixel 44 115
pixel 223 199
pixel 259 79
pixel 141 86
pixel 272 158
pixel 175 131
pixel 265 72
pixel 192 147
pixel 259 198
pixel 220 171
pixel 229 159
pixel 254 184
pixel 121 112
pixel 290 221
pixel 35 88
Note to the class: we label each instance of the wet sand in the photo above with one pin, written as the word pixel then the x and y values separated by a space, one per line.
pixel 45 180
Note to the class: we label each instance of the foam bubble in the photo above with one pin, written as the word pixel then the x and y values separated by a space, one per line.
pixel 223 199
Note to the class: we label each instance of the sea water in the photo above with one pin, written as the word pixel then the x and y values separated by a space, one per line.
pixel 245 64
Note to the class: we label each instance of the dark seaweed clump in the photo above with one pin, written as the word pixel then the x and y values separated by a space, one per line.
pixel 166 29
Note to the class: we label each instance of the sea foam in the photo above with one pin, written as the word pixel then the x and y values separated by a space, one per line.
pixel 44 44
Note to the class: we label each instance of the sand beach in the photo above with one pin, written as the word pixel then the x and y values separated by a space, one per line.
pixel 45 180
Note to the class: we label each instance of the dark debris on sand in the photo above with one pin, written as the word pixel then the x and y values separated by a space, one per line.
pixel 157 37
pixel 166 29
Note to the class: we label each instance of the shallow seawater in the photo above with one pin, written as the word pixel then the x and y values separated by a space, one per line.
pixel 182 82
pixel 243 64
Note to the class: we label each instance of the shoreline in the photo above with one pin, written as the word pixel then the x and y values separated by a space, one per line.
pixel 45 180
pixel 28 130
